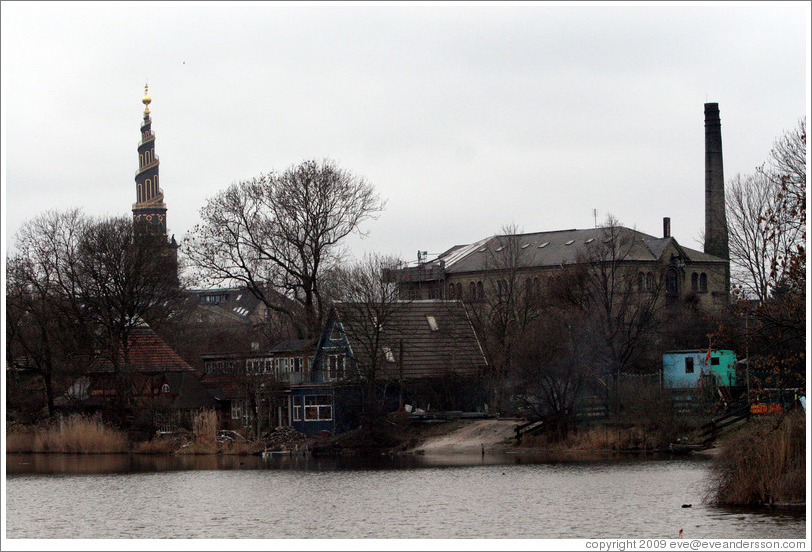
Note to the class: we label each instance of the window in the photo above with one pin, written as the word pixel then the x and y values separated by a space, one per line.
pixel 432 323
pixel 165 387
pixel 318 408
pixel 296 365
pixel 501 287
pixel 480 291
pixel 297 409
pixel 694 282
pixel 472 290
pixel 671 283
pixel 703 282
pixel 282 367
pixel 649 281
pixel 335 367
pixel 689 365
pixel 459 291
pixel 236 410
pixel 714 361
pixel 390 356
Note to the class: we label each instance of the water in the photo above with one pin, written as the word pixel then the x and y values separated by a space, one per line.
pixel 122 496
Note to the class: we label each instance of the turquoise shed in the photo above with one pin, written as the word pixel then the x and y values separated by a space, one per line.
pixel 684 369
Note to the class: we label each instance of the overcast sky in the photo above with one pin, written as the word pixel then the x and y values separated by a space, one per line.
pixel 464 117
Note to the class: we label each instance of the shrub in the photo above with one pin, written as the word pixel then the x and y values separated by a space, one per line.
pixel 763 465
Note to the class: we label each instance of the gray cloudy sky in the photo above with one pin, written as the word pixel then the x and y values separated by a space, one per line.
pixel 465 117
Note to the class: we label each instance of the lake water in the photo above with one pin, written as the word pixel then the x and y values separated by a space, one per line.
pixel 211 497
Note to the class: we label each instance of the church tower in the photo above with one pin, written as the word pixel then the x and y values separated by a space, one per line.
pixel 149 209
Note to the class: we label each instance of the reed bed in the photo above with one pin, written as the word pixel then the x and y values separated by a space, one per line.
pixel 76 434
pixel 763 465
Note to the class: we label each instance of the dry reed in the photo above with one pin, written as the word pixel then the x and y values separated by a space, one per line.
pixel 763 465
pixel 76 434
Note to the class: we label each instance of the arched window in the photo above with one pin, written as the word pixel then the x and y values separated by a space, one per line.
pixel 536 287
pixel 140 194
pixel 528 288
pixel 641 281
pixel 501 288
pixel 472 290
pixel 649 281
pixel 451 290
pixel 165 388
pixel 703 282
pixel 459 291
pixel 480 291
pixel 695 282
pixel 671 283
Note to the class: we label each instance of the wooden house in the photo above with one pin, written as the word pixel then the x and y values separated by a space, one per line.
pixel 417 352
pixel 689 370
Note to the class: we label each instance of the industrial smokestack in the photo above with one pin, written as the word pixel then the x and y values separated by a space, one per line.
pixel 666 227
pixel 715 220
pixel 716 240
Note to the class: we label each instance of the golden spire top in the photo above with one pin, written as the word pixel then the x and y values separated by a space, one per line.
pixel 146 99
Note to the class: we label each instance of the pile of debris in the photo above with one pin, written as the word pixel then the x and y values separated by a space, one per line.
pixel 282 436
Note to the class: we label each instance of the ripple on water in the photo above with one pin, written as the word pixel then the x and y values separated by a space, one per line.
pixel 336 499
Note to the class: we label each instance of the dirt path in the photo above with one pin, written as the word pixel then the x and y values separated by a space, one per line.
pixel 475 434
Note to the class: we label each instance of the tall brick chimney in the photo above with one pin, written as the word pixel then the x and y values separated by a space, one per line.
pixel 716 240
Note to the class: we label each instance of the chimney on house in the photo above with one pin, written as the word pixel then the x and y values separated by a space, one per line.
pixel 666 227
pixel 716 238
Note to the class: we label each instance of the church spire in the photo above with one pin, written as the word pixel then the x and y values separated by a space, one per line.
pixel 149 209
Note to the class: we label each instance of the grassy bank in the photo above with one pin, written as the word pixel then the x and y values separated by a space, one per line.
pixel 76 434
pixel 762 464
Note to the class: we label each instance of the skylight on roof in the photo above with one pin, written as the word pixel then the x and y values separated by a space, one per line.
pixel 569 242
pixel 500 248
pixel 545 244
pixel 525 246
pixel 590 240
pixel 483 250
pixel 432 323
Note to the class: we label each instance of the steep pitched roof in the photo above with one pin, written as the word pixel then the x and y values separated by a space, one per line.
pixel 148 353
pixel 436 338
pixel 560 247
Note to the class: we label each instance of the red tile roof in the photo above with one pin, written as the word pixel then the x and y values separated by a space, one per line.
pixel 148 353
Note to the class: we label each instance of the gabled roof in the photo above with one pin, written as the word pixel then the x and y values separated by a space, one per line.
pixel 293 345
pixel 436 337
pixel 560 247
pixel 188 391
pixel 148 353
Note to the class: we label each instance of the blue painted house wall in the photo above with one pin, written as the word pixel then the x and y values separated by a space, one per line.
pixel 683 369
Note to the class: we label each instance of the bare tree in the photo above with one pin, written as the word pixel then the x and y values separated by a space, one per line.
pixel 554 364
pixel 44 327
pixel 122 282
pixel 757 245
pixel 503 313
pixel 80 287
pixel 282 232
pixel 624 315
pixel 369 308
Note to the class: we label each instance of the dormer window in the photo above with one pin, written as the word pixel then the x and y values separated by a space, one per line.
pixel 165 388
pixel 432 323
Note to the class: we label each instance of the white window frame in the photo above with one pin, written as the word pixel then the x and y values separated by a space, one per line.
pixel 322 405
pixel 336 367
pixel 296 407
